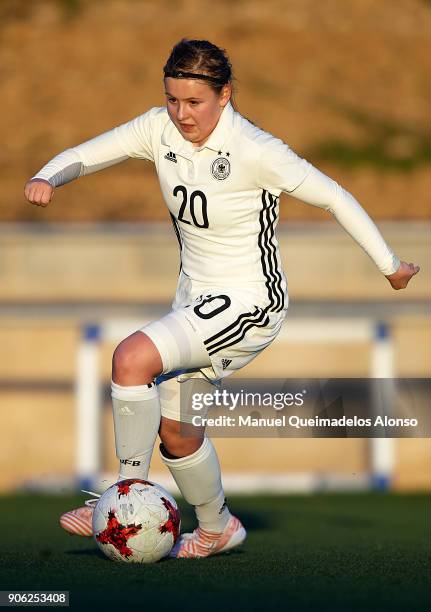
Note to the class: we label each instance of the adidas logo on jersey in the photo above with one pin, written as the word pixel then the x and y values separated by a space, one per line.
pixel 171 157
pixel 225 363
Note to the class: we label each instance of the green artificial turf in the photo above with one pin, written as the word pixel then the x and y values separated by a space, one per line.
pixel 343 552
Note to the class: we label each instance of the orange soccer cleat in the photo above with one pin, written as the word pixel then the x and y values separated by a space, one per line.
pixel 80 520
pixel 202 543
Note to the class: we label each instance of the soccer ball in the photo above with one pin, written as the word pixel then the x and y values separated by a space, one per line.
pixel 136 521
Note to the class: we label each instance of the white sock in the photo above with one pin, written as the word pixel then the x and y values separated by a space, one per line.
pixel 136 423
pixel 198 478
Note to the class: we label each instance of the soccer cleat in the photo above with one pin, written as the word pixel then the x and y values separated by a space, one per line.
pixel 80 520
pixel 203 543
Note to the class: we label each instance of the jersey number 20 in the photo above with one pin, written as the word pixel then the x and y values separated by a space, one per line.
pixel 197 198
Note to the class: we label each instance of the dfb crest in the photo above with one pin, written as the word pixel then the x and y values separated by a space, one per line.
pixel 220 168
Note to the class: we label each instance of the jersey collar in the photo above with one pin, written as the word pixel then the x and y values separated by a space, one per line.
pixel 223 130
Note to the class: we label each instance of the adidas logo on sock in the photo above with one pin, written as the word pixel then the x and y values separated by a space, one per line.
pixel 125 411
pixel 223 506
pixel 225 363
pixel 171 157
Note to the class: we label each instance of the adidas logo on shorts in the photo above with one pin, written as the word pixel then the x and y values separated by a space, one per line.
pixel 225 363
pixel 171 157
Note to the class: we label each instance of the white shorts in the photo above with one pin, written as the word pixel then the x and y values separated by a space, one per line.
pixel 215 334
pixel 206 340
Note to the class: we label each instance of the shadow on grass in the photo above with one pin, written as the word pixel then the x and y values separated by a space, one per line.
pixel 87 552
pixel 252 520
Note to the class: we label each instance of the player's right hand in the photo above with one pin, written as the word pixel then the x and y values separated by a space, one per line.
pixel 39 192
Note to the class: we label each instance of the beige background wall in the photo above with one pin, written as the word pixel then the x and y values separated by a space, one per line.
pixel 54 282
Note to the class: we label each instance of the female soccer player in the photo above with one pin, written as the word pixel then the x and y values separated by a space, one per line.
pixel 221 178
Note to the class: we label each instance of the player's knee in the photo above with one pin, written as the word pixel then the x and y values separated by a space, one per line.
pixel 135 358
pixel 180 443
pixel 126 359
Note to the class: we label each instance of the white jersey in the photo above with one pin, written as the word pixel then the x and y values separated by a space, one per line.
pixel 223 198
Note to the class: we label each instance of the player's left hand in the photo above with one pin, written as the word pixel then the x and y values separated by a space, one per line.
pixel 400 278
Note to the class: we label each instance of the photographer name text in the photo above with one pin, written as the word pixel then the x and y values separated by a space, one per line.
pixel 298 422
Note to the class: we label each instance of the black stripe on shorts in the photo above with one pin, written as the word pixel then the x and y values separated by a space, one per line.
pixel 238 329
